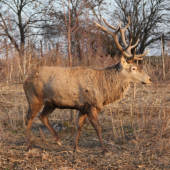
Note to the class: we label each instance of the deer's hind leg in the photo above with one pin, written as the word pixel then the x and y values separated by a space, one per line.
pixel 33 110
pixel 47 110
pixel 80 122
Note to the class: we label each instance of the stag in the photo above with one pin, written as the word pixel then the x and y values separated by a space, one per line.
pixel 84 89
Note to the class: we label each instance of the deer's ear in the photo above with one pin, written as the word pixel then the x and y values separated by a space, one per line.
pixel 123 62
pixel 120 65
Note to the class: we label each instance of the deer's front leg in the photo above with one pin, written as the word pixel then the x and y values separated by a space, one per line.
pixel 93 118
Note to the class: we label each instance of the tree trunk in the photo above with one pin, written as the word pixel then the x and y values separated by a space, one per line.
pixel 69 49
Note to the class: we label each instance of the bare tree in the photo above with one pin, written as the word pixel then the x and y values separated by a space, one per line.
pixel 147 18
pixel 17 18
pixel 100 8
pixel 80 11
pixel 167 8
pixel 70 30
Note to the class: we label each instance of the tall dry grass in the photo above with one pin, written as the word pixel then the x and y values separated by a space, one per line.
pixel 12 69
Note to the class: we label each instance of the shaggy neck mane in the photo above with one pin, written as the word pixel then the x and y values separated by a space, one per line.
pixel 115 84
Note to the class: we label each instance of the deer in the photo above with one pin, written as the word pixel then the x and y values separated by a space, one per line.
pixel 82 88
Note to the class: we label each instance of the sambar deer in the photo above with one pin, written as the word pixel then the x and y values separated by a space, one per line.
pixel 84 89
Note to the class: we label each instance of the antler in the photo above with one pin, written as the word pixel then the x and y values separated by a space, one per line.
pixel 127 47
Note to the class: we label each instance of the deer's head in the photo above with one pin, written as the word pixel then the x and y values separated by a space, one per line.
pixel 129 69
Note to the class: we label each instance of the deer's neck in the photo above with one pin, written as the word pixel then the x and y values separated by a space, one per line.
pixel 115 86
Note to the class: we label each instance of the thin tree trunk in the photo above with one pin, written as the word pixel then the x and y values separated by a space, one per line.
pixel 7 59
pixel 69 37
pixel 69 49
pixel 163 62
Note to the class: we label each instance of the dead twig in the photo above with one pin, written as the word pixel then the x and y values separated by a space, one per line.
pixel 108 143
pixel 42 134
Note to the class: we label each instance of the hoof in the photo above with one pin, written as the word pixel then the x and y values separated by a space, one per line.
pixel 59 143
pixel 29 148
pixel 105 152
pixel 76 150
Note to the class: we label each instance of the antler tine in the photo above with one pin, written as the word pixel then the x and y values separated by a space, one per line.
pixel 133 46
pixel 131 59
pixel 128 46
pixel 110 25
pixel 128 23
pixel 139 56
pixel 103 28
pixel 122 31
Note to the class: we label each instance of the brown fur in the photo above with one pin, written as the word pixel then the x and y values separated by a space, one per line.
pixel 84 89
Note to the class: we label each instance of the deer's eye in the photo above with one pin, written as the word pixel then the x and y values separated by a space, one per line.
pixel 134 69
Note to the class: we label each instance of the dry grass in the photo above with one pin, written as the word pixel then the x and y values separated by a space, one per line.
pixel 136 132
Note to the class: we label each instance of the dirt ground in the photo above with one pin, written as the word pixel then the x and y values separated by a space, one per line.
pixel 136 132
